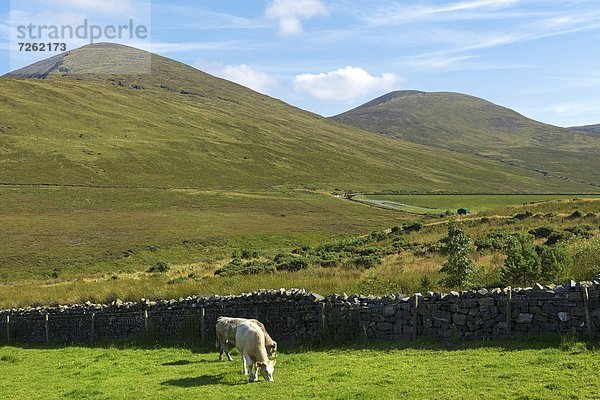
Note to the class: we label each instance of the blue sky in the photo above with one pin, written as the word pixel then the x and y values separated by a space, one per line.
pixel 539 57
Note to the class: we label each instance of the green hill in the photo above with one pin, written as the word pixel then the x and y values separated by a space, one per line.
pixel 86 124
pixel 470 125
pixel 587 128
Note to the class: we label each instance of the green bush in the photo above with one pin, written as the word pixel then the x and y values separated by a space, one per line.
pixel 558 237
pixel 378 236
pixel 412 226
pixel 523 216
pixel 522 266
pixel 586 259
pixel 237 267
pixel 367 261
pixel 328 260
pixel 542 232
pixel 496 240
pixel 287 262
pixel 556 263
pixel 250 254
pixel 583 231
pixel 160 267
pixel 459 267
pixel 575 215
pixel 399 243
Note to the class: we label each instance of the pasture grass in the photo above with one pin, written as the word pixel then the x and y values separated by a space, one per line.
pixel 543 368
pixel 65 233
pixel 122 274
pixel 437 204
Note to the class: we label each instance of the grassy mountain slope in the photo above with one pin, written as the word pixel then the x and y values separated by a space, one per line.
pixel 471 125
pixel 85 124
pixel 587 128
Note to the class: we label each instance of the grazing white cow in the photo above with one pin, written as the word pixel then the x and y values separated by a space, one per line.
pixel 250 341
pixel 226 329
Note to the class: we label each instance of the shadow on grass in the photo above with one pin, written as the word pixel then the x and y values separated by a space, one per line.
pixel 517 343
pixel 188 362
pixel 204 380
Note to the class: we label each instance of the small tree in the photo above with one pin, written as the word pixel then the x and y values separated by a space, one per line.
pixel 556 263
pixel 523 265
pixel 459 266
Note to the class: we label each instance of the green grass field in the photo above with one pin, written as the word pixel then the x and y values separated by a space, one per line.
pixel 436 204
pixel 79 232
pixel 523 369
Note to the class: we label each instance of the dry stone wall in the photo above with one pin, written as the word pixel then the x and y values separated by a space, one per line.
pixel 297 315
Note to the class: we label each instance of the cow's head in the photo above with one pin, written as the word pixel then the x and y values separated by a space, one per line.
pixel 266 369
pixel 272 348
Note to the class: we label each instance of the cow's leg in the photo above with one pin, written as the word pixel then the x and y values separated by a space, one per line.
pixel 227 353
pixel 221 354
pixel 244 366
pixel 250 369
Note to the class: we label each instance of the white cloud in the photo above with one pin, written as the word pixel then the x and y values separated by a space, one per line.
pixel 405 14
pixel 242 74
pixel 182 47
pixel 290 13
pixel 103 6
pixel 348 83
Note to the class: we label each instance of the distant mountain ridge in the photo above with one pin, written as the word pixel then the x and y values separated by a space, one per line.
pixel 470 125
pixel 587 128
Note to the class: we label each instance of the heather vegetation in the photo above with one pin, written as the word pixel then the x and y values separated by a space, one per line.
pixel 519 246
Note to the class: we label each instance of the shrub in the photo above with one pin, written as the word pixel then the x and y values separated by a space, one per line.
pixel 558 237
pixel 396 230
pixel 367 261
pixel 576 214
pixel 586 259
pixel 287 262
pixel 160 267
pixel 523 216
pixel 399 243
pixel 556 263
pixel 250 254
pixel 412 226
pixel 378 236
pixel 328 260
pixel 522 266
pixel 369 251
pixel 237 267
pixel 459 266
pixel 583 231
pixel 542 232
pixel 497 239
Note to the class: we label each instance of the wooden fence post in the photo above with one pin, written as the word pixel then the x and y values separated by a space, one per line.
pixel 92 330
pixel 8 329
pixel 509 311
pixel 47 329
pixel 322 320
pixel 146 323
pixel 415 331
pixel 586 308
pixel 202 325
